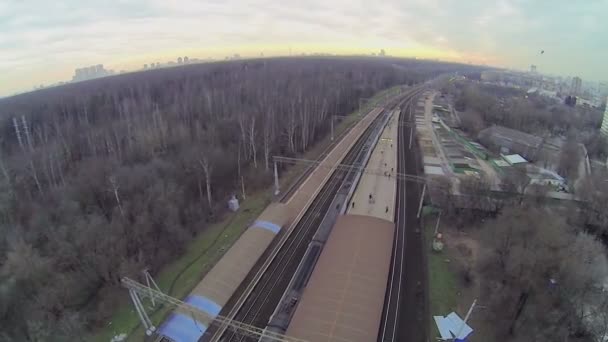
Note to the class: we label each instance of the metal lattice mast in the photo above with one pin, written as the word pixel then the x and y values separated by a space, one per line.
pixel 238 327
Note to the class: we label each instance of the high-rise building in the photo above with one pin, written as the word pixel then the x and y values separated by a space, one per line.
pixel 179 60
pixel 90 72
pixel 575 88
pixel 186 60
pixel 533 69
pixel 604 128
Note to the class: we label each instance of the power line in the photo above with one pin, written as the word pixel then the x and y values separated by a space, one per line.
pixel 139 290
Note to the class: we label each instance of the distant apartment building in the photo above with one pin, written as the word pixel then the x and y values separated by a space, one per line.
pixel 575 88
pixel 604 128
pixel 90 72
pixel 490 76
pixel 533 69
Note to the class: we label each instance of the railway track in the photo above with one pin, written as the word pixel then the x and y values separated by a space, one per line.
pixel 302 177
pixel 294 186
pixel 404 314
pixel 260 304
pixel 266 294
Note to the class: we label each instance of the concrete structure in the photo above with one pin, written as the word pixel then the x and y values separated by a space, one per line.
pixel 514 159
pixel 220 283
pixel 511 141
pixel 91 72
pixel 380 188
pixel 604 128
pixel 533 69
pixel 575 88
pixel 344 297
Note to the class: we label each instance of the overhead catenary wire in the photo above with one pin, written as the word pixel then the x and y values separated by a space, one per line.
pixel 143 291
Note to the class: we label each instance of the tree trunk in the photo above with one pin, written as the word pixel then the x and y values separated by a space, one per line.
pixel 523 298
pixel 267 124
pixel 35 176
pixel 252 142
pixel 207 169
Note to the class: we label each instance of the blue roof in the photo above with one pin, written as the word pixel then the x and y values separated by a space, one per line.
pixel 275 228
pixel 204 304
pixel 182 328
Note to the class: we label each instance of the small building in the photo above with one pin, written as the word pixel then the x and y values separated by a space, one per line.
pixel 514 159
pixel 233 203
pixel 511 141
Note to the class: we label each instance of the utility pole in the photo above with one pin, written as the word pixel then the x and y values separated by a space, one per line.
pixel 437 224
pixel 150 280
pixel 243 187
pixel 141 312
pixel 421 200
pixel 276 179
pixel 466 318
pixel 332 124
pixel 411 135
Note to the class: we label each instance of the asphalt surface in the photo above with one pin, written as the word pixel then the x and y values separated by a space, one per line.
pixel 405 315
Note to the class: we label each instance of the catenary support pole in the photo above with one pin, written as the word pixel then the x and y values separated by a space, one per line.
pixel 276 179
pixel 466 318
pixel 437 224
pixel 421 200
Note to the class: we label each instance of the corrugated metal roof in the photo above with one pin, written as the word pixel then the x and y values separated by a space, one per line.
pixel 508 134
pixel 344 298
pixel 514 159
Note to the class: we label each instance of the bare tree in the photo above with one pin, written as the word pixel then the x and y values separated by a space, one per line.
pixel 532 267
pixel 569 160
pixel 252 141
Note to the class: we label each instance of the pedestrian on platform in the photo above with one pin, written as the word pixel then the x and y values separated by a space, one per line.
pixel 353 205
pixel 386 211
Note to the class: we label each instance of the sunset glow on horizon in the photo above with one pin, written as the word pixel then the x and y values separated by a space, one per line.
pixel 43 42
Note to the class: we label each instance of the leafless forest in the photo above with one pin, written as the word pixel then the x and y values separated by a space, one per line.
pixel 103 178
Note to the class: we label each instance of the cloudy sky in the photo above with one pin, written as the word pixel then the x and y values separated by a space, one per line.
pixel 42 41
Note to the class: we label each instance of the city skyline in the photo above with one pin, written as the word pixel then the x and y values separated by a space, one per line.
pixel 45 42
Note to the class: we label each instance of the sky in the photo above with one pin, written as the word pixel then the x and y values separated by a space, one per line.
pixel 42 42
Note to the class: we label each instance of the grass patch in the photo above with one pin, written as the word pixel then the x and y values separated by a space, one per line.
pixel 179 277
pixel 443 286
